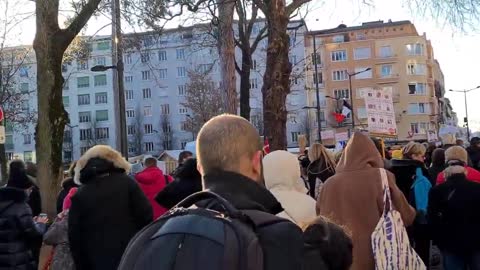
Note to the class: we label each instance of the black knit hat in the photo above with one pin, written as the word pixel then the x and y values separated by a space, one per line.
pixel 18 177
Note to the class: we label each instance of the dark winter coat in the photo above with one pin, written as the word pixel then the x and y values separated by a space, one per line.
pixel 474 155
pixel 57 236
pixel 282 243
pixel 108 209
pixel 454 216
pixel 151 180
pixel 318 169
pixel 405 172
pixel 17 230
pixel 188 181
pixel 67 184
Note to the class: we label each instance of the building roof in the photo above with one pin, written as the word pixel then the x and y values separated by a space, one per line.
pixel 171 153
pixel 342 28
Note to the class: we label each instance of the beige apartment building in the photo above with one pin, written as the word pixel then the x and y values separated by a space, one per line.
pixel 386 55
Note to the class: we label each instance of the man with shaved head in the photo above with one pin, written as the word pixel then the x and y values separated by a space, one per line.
pixel 229 154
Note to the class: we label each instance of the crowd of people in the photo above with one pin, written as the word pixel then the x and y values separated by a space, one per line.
pixel 316 210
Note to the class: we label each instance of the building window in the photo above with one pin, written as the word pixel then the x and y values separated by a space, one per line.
pixel 362 53
pixel 101 98
pixel 386 52
pixel 149 146
pixel 101 115
pixel 416 69
pixel 28 156
pixel 84 99
pixel 147 110
pixel 340 75
pixel 162 56
pixel 363 73
pixel 340 55
pixel 181 72
pixel 130 113
pixel 253 83
pixel 386 71
pixel 316 59
pixel 419 128
pixel 319 77
pixel 180 54
pixel 27 139
pixel 103 46
pixel 24 88
pixel 83 149
pixel 67 155
pixel 131 130
pixel 295 136
pixel 23 71
pixel 128 59
pixel 417 88
pixel 338 39
pixel 182 110
pixel 85 134
pixel 181 90
pixel 184 126
pixel 82 64
pixel 165 109
pixel 254 65
pixel 84 117
pixel 99 61
pixel 145 57
pixel 100 80
pixel 146 75
pixel 360 36
pixel 162 73
pixel 166 128
pixel 415 49
pixel 66 101
pixel 148 128
pixel 341 93
pixel 418 108
pixel 102 133
pixel 83 82
pixel 147 93
pixel 129 94
pixel 128 79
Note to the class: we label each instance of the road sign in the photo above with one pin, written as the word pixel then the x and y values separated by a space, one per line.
pixel 2 135
pixel 1 114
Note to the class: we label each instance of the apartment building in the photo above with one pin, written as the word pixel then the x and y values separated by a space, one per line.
pixel 386 55
pixel 155 78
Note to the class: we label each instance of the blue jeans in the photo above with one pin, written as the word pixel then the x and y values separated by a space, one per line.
pixel 461 262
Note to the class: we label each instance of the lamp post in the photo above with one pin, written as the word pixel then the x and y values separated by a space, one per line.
pixel 466 108
pixel 317 90
pixel 350 75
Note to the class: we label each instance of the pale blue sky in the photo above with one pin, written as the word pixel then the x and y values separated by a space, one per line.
pixel 457 52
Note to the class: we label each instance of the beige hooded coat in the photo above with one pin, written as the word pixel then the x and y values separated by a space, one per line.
pixel 353 197
pixel 282 178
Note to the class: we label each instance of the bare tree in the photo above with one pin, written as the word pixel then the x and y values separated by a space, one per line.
pixel 257 122
pixel 202 99
pixel 306 127
pixel 50 43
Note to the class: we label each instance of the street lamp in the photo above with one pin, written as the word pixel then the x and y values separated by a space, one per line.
pixel 350 75
pixel 466 108
pixel 317 89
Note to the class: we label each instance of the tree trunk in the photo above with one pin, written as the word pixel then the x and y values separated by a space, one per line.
pixel 276 81
pixel 245 84
pixel 52 116
pixel 3 164
pixel 226 51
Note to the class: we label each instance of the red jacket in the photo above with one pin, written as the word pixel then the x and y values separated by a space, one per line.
pixel 152 181
pixel 472 175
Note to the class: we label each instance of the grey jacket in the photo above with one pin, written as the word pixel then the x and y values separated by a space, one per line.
pixel 57 236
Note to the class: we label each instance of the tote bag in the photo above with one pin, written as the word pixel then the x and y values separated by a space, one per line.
pixel 390 244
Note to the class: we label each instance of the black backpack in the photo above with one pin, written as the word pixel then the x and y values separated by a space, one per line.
pixel 200 238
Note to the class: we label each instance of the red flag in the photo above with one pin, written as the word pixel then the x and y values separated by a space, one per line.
pixel 1 114
pixel 339 117
pixel 266 146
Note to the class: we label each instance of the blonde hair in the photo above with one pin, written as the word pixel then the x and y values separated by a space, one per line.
pixel 224 140
pixel 413 148
pixel 318 152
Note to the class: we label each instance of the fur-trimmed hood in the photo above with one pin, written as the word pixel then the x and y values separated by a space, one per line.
pixel 99 159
